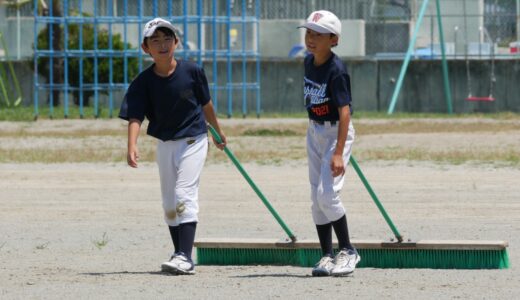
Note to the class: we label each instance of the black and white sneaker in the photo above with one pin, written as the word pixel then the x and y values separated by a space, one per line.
pixel 323 267
pixel 179 264
pixel 345 262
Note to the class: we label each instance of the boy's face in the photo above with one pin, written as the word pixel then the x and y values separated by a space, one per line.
pixel 318 43
pixel 160 45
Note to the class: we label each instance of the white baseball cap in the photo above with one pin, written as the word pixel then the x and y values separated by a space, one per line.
pixel 152 25
pixel 323 21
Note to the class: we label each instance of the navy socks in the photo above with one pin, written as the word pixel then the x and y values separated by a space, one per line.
pixel 341 230
pixel 325 236
pixel 174 233
pixel 183 237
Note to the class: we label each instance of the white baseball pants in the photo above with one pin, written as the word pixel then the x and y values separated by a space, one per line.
pixel 321 143
pixel 180 164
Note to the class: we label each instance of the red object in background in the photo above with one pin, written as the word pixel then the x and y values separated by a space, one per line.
pixel 473 98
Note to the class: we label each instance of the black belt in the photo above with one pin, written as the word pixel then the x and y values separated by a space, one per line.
pixel 332 123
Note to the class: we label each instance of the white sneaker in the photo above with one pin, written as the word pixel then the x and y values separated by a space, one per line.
pixel 345 262
pixel 323 267
pixel 179 264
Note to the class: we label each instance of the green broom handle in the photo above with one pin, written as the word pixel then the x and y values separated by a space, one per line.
pixel 253 185
pixel 376 200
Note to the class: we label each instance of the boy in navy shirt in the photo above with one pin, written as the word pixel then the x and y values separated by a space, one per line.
pixel 330 136
pixel 174 96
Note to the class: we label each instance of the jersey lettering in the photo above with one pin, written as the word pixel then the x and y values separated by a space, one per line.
pixel 315 92
pixel 325 88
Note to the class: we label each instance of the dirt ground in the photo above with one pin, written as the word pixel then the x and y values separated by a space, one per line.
pixel 95 230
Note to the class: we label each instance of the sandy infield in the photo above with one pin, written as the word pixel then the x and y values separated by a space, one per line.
pixel 95 230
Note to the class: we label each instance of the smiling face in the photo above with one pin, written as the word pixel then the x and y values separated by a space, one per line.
pixel 319 43
pixel 160 45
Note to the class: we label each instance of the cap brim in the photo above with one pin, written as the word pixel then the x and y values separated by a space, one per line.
pixel 316 27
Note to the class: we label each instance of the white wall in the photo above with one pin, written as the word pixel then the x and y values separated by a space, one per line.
pixel 278 37
pixel 352 40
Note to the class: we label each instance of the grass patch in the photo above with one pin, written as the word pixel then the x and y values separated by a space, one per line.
pixel 456 156
pixel 19 113
pixel 269 132
pixel 264 141
pixel 262 154
pixel 433 126
pixel 358 115
pixel 66 155
pixel 78 134
pixel 100 243
pixel 27 113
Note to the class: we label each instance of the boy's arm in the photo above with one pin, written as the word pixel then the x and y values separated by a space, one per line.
pixel 337 165
pixel 211 117
pixel 134 126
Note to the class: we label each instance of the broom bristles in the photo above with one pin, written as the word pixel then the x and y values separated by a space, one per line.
pixel 372 258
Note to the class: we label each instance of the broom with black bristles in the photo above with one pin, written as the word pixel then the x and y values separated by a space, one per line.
pixel 434 254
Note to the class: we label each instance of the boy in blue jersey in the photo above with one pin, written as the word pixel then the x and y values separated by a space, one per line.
pixel 330 135
pixel 174 96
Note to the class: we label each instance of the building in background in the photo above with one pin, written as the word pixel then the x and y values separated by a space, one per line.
pixel 374 28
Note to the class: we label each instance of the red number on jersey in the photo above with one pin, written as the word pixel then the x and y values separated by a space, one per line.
pixel 320 110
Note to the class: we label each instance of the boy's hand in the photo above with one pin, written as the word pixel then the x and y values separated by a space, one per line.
pixel 336 165
pixel 222 145
pixel 134 125
pixel 132 157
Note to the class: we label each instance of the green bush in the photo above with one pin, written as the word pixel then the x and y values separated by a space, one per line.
pixel 103 63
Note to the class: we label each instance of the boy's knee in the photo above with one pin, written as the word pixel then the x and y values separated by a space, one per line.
pixel 329 197
pixel 331 206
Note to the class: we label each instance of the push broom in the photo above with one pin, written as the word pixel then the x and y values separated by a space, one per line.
pixel 398 253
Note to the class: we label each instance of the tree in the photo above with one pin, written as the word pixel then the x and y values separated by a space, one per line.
pixel 103 63
pixel 56 45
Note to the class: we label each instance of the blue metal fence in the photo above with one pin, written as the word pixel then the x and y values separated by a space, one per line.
pixel 216 33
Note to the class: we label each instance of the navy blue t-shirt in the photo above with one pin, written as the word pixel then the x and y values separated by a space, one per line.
pixel 172 105
pixel 326 88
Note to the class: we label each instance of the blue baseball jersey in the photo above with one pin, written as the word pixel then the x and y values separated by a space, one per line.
pixel 326 88
pixel 172 105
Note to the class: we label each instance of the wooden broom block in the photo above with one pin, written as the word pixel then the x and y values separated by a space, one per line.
pixel 226 243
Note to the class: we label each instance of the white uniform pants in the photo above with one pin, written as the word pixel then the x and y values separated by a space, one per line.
pixel 321 143
pixel 180 164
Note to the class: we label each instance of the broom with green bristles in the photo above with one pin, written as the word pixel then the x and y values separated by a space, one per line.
pixel 434 254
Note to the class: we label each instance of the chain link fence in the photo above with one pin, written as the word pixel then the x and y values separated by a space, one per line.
pixel 471 27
